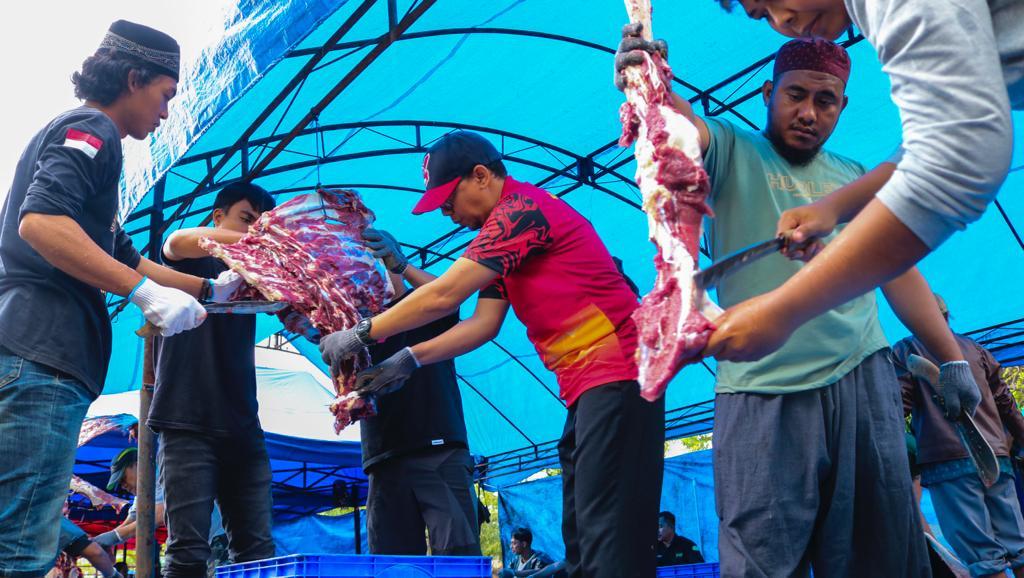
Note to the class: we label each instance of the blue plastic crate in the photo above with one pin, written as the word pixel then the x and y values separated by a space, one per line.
pixel 353 566
pixel 709 570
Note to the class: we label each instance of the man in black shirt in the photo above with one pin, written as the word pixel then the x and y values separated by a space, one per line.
pixel 61 249
pixel 415 451
pixel 673 549
pixel 204 406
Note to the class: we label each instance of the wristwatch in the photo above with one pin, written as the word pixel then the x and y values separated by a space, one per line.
pixel 363 331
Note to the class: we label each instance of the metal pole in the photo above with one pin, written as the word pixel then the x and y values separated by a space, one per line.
pixel 145 535
pixel 355 516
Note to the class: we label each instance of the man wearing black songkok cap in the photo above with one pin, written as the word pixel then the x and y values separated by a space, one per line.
pixel 61 249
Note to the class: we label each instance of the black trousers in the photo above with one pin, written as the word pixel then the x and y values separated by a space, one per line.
pixel 612 454
pixel 196 469
pixel 429 491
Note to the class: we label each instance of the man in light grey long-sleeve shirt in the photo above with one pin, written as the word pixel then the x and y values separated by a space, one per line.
pixel 955 68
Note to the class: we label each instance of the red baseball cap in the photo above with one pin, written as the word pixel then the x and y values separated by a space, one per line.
pixel 447 161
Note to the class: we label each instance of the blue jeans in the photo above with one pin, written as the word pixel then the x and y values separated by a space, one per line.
pixel 41 413
pixel 983 525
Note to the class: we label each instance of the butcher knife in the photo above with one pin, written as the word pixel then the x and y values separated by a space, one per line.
pixel 710 277
pixel 231 307
pixel 977 446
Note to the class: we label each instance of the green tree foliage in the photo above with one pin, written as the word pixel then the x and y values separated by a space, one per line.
pixel 1014 377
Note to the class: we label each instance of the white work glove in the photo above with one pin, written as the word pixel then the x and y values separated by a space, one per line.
pixel 171 310
pixel 224 286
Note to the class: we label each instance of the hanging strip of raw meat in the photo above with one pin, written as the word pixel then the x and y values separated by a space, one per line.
pixel 308 252
pixel 673 330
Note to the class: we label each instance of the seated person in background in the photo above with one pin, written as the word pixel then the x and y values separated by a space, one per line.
pixel 526 561
pixel 76 543
pixel 673 549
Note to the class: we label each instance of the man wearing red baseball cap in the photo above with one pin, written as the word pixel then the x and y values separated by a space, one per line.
pixel 537 254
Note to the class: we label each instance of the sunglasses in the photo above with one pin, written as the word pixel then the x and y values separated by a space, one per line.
pixel 448 205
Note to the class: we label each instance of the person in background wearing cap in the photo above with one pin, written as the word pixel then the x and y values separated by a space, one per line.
pixel 61 249
pixel 797 421
pixel 415 450
pixel 124 477
pixel 983 525
pixel 204 407
pixel 956 69
pixel 537 254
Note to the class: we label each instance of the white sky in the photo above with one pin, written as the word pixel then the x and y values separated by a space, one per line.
pixel 43 41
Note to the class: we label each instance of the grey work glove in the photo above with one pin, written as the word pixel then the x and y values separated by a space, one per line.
pixel 631 50
pixel 386 248
pixel 389 375
pixel 108 539
pixel 339 346
pixel 958 389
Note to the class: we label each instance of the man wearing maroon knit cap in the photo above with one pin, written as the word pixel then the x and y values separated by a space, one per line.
pixel 809 454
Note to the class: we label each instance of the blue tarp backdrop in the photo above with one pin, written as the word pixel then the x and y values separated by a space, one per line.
pixel 687 492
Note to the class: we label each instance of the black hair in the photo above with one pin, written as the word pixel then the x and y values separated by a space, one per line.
pixel 104 75
pixel 497 167
pixel 669 517
pixel 257 196
pixel 726 4
pixel 523 535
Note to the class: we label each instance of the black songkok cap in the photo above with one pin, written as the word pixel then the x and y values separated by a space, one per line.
pixel 148 44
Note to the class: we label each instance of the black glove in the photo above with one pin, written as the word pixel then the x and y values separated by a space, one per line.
pixel 386 248
pixel 387 376
pixel 339 346
pixel 631 50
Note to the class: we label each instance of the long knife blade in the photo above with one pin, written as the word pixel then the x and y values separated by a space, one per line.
pixel 976 445
pixel 232 307
pixel 714 273
pixel 245 307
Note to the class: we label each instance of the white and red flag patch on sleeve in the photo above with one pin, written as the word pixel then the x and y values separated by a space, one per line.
pixel 83 141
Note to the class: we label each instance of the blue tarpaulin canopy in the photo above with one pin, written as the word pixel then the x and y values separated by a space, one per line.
pixel 312 470
pixel 335 93
pixel 305 472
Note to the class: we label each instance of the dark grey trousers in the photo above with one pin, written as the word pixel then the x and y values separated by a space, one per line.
pixel 196 469
pixel 817 479
pixel 431 490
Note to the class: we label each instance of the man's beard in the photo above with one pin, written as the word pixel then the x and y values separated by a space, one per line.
pixel 795 156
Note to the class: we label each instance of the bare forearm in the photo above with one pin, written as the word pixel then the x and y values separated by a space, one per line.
pixel 170 278
pixel 913 302
pixel 433 300
pixel 417 277
pixel 873 249
pixel 99 559
pixel 850 199
pixel 421 307
pixel 184 244
pixel 463 338
pixel 63 243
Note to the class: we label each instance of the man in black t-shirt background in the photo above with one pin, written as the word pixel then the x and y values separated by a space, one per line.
pixel 673 549
pixel 415 450
pixel 204 406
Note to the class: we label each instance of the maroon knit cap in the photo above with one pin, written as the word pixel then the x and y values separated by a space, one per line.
pixel 815 54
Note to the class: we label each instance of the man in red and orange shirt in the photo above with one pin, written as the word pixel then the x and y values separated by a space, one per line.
pixel 537 254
